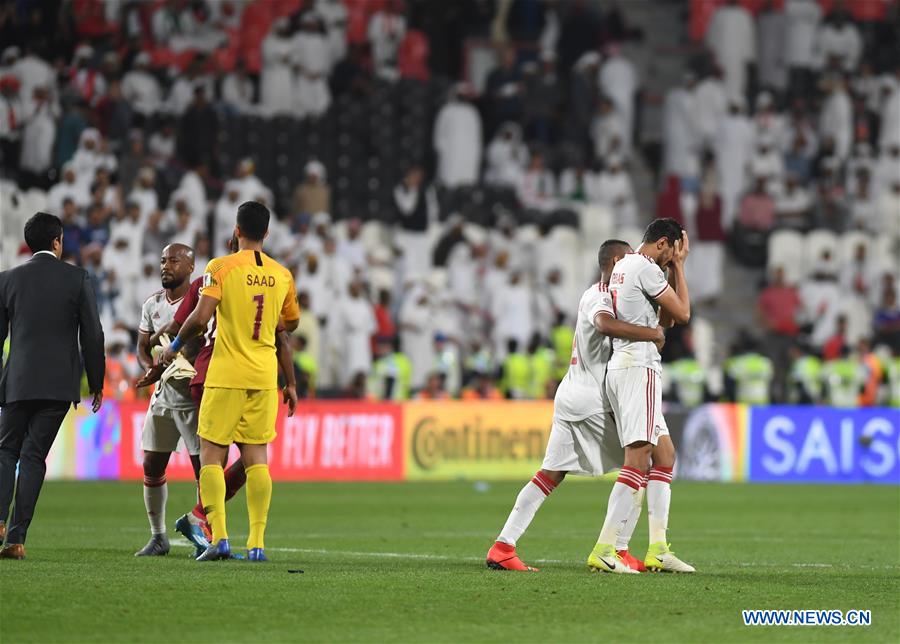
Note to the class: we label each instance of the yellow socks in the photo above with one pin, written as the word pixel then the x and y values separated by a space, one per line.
pixel 212 494
pixel 259 495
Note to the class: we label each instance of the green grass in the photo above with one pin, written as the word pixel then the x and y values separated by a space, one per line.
pixel 404 562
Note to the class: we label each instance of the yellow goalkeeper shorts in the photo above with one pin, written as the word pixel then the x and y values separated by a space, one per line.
pixel 238 415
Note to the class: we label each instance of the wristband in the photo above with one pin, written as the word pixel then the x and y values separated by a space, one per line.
pixel 176 344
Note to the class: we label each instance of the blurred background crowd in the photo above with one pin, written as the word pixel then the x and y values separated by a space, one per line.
pixel 442 174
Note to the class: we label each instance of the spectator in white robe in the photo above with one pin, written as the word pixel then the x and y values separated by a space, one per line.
pixel 334 14
pixel 767 162
pixel 162 144
pixel 710 105
pixel 416 325
pixel 767 122
pixel 416 209
pixel 734 146
pixel 887 210
pixel 237 90
pixel 33 71
pixel 351 249
pixel 506 157
pixel 144 193
pixel 506 240
pixel 802 18
pixel 68 188
pixel 91 155
pixel 193 189
pixel 312 63
pixel 793 204
pixel 457 140
pixel 355 318
pixel 537 188
pixel 385 33
pixel 731 36
pixel 838 43
pixel 277 78
pixel 836 117
pixel 799 124
pixel 38 136
pixel 770 30
pixel 619 81
pixel 249 184
pixel 224 217
pixel 512 311
pixel 140 87
pixel 889 133
pixel 887 168
pixel 181 221
pixel 615 191
pixel 682 132
pixel 608 131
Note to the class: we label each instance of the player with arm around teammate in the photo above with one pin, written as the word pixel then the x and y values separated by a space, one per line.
pixel 248 292
pixel 193 525
pixel 583 438
pixel 171 415
pixel 639 291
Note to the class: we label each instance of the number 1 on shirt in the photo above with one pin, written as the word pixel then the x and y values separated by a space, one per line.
pixel 257 323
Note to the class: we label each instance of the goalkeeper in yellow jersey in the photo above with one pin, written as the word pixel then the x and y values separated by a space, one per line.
pixel 248 292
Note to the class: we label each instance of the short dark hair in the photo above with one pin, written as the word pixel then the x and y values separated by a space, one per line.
pixel 41 230
pixel 253 220
pixel 664 227
pixel 608 250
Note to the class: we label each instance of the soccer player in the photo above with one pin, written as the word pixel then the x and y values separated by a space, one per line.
pixel 639 289
pixel 172 413
pixel 193 525
pixel 583 438
pixel 248 292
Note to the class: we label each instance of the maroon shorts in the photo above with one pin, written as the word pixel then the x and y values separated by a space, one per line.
pixel 197 393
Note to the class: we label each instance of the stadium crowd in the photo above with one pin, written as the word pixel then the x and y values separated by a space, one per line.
pixel 781 148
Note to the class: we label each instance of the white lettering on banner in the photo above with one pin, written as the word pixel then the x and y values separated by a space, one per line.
pixel 846 445
pixel 871 430
pixel 816 446
pixel 137 428
pixel 779 425
pixel 298 440
pixel 338 440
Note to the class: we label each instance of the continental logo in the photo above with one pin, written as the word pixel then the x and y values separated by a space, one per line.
pixel 433 444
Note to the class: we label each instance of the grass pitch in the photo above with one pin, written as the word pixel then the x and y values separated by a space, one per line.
pixel 404 562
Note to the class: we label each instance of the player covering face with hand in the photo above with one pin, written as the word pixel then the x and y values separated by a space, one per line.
pixel 583 438
pixel 642 295
pixel 248 292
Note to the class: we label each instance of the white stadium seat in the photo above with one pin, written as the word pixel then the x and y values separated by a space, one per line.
pixel 817 243
pixel 783 252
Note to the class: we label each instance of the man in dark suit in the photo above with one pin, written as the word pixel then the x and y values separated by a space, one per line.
pixel 48 307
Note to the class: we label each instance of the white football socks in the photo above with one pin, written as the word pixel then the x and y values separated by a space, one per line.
pixel 659 497
pixel 156 492
pixel 621 504
pixel 627 531
pixel 527 504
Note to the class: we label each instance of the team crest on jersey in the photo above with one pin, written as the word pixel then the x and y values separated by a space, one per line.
pixel 656 431
pixel 208 280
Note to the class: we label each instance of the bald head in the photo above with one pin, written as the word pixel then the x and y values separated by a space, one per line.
pixel 176 265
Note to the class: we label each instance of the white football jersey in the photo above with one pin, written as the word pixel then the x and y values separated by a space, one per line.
pixel 581 393
pixel 157 313
pixel 635 284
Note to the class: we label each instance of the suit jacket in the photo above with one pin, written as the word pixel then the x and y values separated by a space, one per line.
pixel 48 308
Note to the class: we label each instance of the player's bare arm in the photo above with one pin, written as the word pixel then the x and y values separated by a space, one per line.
pixel 677 302
pixel 286 367
pixel 143 350
pixel 665 320
pixel 195 324
pixel 613 328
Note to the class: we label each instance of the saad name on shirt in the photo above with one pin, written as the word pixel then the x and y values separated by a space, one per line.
pixel 261 280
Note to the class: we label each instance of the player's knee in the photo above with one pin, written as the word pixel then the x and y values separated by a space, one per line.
pixel 556 477
pixel 154 464
pixel 664 455
pixel 637 455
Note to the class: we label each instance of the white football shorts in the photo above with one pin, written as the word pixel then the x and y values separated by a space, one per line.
pixel 635 397
pixel 163 428
pixel 589 447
